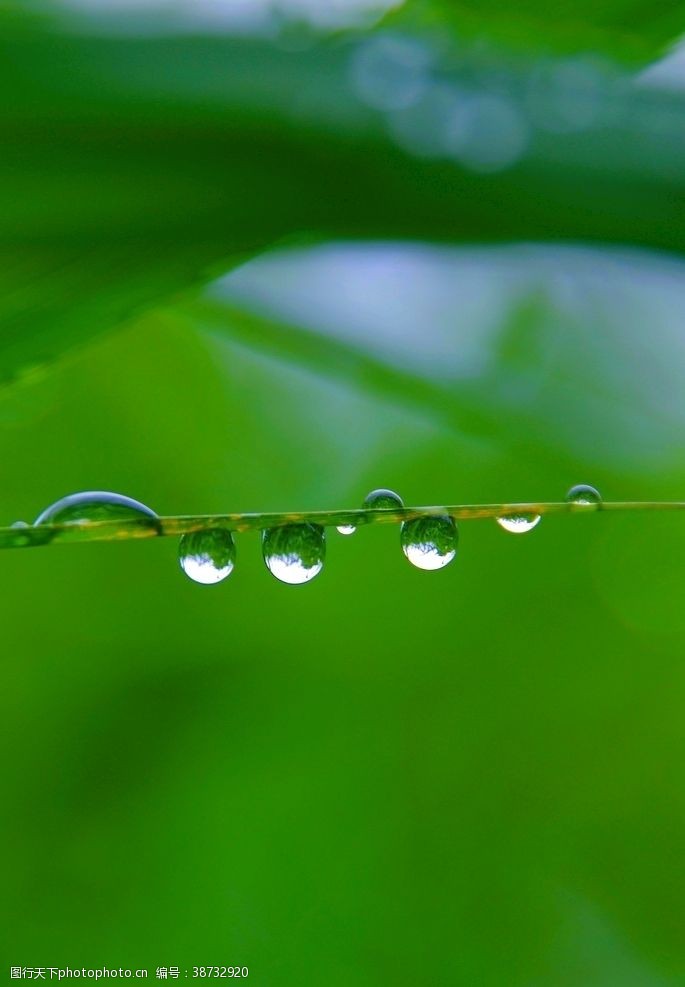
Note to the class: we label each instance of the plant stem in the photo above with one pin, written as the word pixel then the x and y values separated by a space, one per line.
pixel 176 525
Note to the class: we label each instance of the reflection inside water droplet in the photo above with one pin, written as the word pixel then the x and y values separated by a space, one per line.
pixel 20 524
pixel 429 542
pixel 294 553
pixel 518 524
pixel 207 556
pixel 346 529
pixel 383 498
pixel 585 495
pixel 95 505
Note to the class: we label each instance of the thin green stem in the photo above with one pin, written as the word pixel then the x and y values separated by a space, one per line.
pixel 121 529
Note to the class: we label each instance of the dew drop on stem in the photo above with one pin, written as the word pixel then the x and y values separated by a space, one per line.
pixel 294 553
pixel 207 557
pixel 584 495
pixel 518 524
pixel 429 542
pixel 95 505
pixel 383 498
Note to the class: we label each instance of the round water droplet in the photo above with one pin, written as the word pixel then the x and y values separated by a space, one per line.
pixel 429 542
pixel 207 556
pixel 95 505
pixel 518 524
pixel 383 498
pixel 20 538
pixel 346 529
pixel 294 553
pixel 584 495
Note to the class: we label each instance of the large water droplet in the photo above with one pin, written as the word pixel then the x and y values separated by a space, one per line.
pixel 95 505
pixel 346 529
pixel 518 524
pixel 585 495
pixel 383 498
pixel 294 553
pixel 429 542
pixel 207 556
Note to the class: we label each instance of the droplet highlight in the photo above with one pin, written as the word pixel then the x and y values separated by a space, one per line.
pixel 383 498
pixel 518 524
pixel 207 557
pixel 346 529
pixel 95 505
pixel 584 495
pixel 429 542
pixel 294 553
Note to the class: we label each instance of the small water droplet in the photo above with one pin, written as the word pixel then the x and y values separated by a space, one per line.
pixel 383 498
pixel 346 529
pixel 95 505
pixel 294 553
pixel 585 495
pixel 518 524
pixel 20 539
pixel 429 542
pixel 207 556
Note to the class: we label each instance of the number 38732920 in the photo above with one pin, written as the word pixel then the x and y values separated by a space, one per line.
pixel 220 971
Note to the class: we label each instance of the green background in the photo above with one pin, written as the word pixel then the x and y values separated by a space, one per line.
pixel 387 776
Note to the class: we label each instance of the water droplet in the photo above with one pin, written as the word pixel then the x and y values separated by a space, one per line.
pixel 294 553
pixel 346 529
pixel 518 524
pixel 207 556
pixel 95 505
pixel 20 539
pixel 429 542
pixel 383 498
pixel 584 495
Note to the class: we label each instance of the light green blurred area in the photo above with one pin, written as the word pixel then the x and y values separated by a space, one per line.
pixel 387 776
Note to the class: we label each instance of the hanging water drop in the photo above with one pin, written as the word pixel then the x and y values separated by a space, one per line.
pixel 294 553
pixel 346 529
pixel 518 524
pixel 584 495
pixel 383 498
pixel 429 542
pixel 207 556
pixel 95 505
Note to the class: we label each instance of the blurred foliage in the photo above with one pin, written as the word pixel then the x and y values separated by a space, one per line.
pixel 632 31
pixel 134 167
pixel 474 776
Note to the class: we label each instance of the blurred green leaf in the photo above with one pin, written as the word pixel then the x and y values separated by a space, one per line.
pixel 55 297
pixel 624 29
pixel 533 343
pixel 131 166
